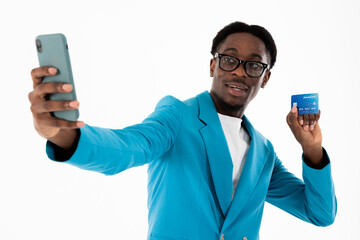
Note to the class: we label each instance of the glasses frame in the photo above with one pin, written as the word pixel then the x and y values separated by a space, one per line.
pixel 220 55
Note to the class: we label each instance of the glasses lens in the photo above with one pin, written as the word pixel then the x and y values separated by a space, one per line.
pixel 228 63
pixel 254 69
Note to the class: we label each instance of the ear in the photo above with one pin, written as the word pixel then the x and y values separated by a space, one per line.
pixel 266 78
pixel 212 67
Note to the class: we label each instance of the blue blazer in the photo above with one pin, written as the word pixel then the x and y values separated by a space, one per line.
pixel 190 173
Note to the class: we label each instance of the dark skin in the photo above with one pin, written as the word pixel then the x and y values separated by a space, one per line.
pixel 60 132
pixel 228 100
pixel 233 91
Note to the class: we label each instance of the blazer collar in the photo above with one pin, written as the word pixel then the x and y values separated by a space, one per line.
pixel 207 110
pixel 255 162
pixel 220 159
pixel 217 151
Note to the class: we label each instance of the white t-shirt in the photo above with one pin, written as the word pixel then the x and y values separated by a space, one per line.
pixel 238 142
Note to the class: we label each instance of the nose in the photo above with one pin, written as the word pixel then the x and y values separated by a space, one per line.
pixel 240 71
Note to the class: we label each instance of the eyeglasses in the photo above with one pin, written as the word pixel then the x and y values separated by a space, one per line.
pixel 252 68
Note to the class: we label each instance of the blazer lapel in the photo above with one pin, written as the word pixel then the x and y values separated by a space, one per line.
pixel 217 150
pixel 254 164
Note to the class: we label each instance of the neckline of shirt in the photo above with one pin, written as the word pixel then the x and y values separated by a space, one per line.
pixel 230 120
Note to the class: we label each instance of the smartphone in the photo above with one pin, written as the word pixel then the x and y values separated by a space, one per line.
pixel 52 50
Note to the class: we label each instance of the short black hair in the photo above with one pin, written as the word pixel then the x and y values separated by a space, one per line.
pixel 258 31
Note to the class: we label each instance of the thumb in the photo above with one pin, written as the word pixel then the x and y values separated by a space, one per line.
pixel 292 117
pixel 292 120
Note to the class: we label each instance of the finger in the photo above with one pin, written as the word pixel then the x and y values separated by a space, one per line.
pixel 53 106
pixel 312 120
pixel 306 122
pixel 45 120
pixel 317 116
pixel 292 116
pixel 37 74
pixel 47 88
pixel 292 120
pixel 301 119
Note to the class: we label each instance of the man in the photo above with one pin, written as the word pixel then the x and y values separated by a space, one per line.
pixel 210 172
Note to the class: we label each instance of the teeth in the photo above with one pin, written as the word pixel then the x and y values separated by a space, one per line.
pixel 236 88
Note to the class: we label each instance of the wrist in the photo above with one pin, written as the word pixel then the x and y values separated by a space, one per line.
pixel 314 157
pixel 65 138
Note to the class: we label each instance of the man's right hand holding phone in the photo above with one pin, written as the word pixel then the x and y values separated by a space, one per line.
pixel 61 132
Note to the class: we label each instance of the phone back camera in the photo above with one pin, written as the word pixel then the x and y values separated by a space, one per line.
pixel 38 45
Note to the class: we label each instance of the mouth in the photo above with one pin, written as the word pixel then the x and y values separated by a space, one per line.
pixel 236 88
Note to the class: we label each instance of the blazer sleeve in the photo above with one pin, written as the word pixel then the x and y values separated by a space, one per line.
pixel 110 151
pixel 312 200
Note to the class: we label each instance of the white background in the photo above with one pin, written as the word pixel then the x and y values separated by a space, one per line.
pixel 126 55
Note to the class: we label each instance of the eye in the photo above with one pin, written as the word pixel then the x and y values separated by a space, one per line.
pixel 255 66
pixel 229 60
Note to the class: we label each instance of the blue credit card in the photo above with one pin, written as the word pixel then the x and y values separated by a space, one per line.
pixel 306 103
